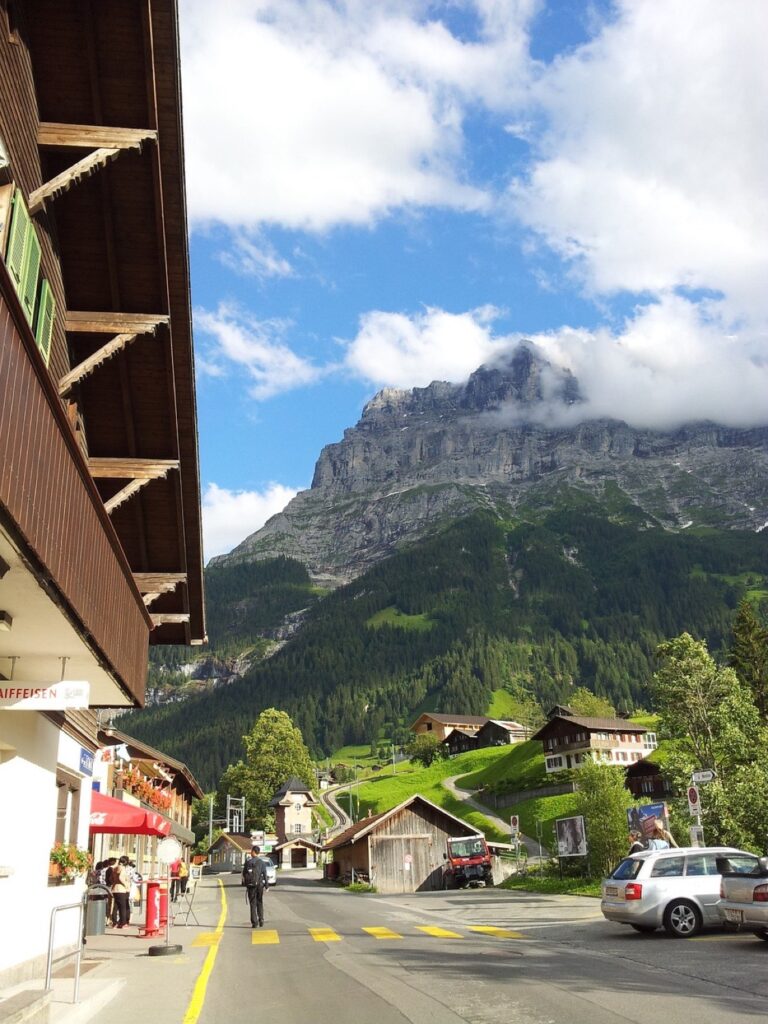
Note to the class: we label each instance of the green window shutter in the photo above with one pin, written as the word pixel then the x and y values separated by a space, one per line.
pixel 31 272
pixel 46 311
pixel 17 239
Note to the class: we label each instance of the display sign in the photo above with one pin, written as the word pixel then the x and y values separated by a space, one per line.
pixel 23 696
pixel 168 850
pixel 514 824
pixel 694 804
pixel 704 776
pixel 86 761
pixel 644 819
pixel 697 835
pixel 571 837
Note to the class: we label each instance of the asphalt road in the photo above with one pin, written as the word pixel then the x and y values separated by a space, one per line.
pixel 550 960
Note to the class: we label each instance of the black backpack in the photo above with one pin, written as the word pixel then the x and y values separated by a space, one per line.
pixel 253 872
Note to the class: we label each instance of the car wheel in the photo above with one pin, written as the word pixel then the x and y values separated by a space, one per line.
pixel 646 929
pixel 762 933
pixel 682 919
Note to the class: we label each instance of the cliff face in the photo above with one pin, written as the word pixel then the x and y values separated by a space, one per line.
pixel 418 457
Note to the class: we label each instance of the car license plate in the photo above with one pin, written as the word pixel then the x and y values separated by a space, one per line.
pixel 734 916
pixel 611 890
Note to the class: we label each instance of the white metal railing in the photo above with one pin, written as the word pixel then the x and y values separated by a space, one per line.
pixel 77 953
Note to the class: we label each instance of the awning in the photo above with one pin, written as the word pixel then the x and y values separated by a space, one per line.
pixel 118 818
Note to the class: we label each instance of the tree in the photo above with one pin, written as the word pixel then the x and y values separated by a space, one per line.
pixel 588 704
pixel 603 800
pixel 748 656
pixel 711 716
pixel 426 748
pixel 274 752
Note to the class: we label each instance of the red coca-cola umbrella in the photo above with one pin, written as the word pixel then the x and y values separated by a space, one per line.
pixel 117 818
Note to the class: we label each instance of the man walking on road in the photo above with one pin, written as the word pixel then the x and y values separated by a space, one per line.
pixel 255 880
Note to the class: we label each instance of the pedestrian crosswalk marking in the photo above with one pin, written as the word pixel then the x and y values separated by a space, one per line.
pixel 382 933
pixel 264 937
pixel 206 939
pixel 324 935
pixel 497 933
pixel 438 933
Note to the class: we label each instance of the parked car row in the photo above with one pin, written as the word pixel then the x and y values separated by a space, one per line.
pixel 685 890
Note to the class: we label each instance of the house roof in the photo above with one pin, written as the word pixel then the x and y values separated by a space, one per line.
pixel 590 724
pixel 141 751
pixel 298 840
pixel 462 732
pixel 462 721
pixel 509 726
pixel 362 828
pixel 293 785
pixel 240 840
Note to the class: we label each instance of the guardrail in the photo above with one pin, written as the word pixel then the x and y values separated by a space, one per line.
pixel 78 953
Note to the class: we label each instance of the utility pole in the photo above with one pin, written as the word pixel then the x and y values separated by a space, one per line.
pixel 210 822
pixel 394 769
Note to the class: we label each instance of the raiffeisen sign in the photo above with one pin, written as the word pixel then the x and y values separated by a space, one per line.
pixel 21 696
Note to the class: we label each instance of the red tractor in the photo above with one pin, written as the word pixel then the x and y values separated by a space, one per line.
pixel 467 862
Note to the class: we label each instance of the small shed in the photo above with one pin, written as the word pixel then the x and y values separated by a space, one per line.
pixel 459 741
pixel 498 734
pixel 400 850
pixel 229 851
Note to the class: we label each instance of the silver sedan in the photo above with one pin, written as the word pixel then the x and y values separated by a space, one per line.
pixel 744 894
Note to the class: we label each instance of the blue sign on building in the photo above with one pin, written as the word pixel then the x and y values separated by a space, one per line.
pixel 86 761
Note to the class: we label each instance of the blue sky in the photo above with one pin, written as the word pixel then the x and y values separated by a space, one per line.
pixel 384 194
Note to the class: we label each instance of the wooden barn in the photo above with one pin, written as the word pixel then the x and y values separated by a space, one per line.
pixel 400 850
pixel 459 741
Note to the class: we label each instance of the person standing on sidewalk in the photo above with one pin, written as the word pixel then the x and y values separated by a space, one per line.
pixel 255 881
pixel 121 888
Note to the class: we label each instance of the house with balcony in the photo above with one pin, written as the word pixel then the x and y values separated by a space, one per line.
pixel 100 538
pixel 440 725
pixel 568 740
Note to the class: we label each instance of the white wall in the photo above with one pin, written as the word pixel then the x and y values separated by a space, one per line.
pixel 30 747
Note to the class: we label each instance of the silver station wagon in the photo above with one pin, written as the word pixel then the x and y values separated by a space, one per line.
pixel 744 893
pixel 677 889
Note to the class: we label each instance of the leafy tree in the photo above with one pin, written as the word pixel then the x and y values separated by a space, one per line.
pixel 274 752
pixel 426 748
pixel 603 800
pixel 588 704
pixel 715 724
pixel 749 654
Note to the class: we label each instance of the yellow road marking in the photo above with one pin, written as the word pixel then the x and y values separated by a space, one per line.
pixel 438 933
pixel 195 1007
pixel 382 933
pixel 498 933
pixel 264 937
pixel 324 935
pixel 206 939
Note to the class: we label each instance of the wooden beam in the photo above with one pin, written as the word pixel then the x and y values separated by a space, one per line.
pixel 114 323
pixel 161 582
pixel 124 494
pixel 92 136
pixel 131 469
pixel 169 618
pixel 88 365
pixel 82 169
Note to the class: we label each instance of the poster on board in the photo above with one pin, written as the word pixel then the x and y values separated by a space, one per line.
pixel 571 837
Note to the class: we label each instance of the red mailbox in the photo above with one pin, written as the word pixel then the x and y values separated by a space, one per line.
pixel 154 921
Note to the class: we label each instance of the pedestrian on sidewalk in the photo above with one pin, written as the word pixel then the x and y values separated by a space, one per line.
pixel 121 888
pixel 255 881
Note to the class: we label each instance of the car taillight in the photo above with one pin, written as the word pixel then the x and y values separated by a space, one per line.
pixel 760 894
pixel 633 891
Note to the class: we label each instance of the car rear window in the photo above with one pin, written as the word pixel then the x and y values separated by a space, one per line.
pixel 628 868
pixel 738 864
pixel 668 867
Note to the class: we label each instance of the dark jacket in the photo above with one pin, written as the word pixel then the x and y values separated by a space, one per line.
pixel 258 875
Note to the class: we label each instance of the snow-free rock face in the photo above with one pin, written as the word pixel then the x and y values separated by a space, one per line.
pixel 418 457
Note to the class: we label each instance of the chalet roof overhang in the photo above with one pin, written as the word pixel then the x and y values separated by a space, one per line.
pixel 183 779
pixel 361 829
pixel 555 725
pixel 457 721
pixel 108 86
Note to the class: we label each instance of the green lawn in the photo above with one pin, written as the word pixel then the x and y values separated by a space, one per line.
pixel 553 884
pixel 521 766
pixel 385 792
pixel 392 616
pixel 501 706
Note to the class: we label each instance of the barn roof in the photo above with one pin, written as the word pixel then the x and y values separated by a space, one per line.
pixel 362 828
pixel 591 724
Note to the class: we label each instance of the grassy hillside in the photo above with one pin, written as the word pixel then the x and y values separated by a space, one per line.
pixel 455 621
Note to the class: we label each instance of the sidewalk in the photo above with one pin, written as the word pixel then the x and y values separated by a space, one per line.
pixel 118 964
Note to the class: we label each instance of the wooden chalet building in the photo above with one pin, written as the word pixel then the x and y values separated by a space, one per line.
pixel 645 779
pixel 100 539
pixel 440 725
pixel 459 741
pixel 498 734
pixel 400 850
pixel 569 739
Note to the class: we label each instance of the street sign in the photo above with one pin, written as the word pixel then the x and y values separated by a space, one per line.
pixel 514 824
pixel 694 804
pixel 705 775
pixel 697 835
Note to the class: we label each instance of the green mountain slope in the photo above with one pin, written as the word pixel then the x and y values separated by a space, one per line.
pixel 573 598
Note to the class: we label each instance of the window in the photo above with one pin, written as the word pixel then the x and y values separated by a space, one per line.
pixel 700 864
pixel 628 868
pixel 298 807
pixel 298 827
pixel 668 867
pixel 649 741
pixel 67 807
pixel 46 311
pixel 554 762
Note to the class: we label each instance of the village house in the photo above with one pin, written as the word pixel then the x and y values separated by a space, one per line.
pixel 100 538
pixel 296 846
pixel 568 740
pixel 400 850
pixel 498 734
pixel 440 725
pixel 459 741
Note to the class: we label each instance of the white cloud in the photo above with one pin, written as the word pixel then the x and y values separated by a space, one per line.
pixel 231 516
pixel 234 337
pixel 313 114
pixel 653 166
pixel 255 258
pixel 395 350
